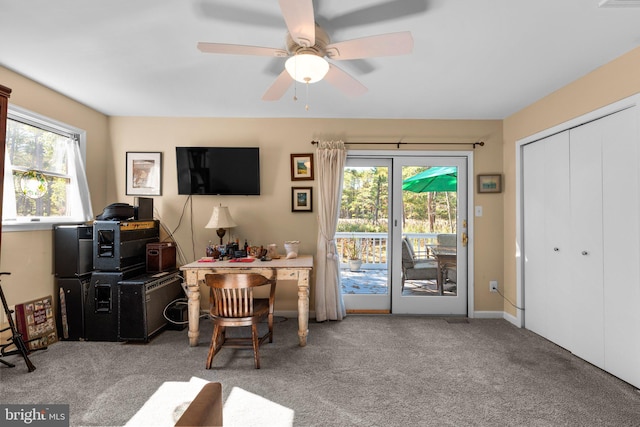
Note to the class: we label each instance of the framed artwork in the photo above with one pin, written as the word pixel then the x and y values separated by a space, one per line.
pixel 301 199
pixel 302 167
pixel 490 183
pixel 144 173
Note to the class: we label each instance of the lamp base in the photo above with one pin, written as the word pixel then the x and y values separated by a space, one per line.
pixel 221 232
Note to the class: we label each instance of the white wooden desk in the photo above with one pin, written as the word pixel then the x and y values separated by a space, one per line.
pixel 298 269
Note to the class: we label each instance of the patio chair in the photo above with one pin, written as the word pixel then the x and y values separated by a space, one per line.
pixel 448 242
pixel 414 268
pixel 233 305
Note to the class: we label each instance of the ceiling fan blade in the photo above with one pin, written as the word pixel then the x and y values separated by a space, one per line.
pixel 278 87
pixel 344 82
pixel 237 49
pixel 381 12
pixel 298 15
pixel 367 47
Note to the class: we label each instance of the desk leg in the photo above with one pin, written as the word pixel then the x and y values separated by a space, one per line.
pixel 303 307
pixel 194 314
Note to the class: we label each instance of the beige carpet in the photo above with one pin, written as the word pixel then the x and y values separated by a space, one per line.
pixel 363 371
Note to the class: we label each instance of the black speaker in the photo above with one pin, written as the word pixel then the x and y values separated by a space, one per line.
pixel 72 249
pixel 72 296
pixel 101 308
pixel 142 304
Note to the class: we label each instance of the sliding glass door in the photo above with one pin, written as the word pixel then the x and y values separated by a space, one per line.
pixel 402 234
pixel 429 236
pixel 363 235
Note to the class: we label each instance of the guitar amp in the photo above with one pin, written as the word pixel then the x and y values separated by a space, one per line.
pixel 118 245
pixel 142 304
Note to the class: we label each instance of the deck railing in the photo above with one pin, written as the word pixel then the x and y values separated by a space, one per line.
pixel 373 246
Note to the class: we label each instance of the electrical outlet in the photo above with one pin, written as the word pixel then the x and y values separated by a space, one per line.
pixel 493 286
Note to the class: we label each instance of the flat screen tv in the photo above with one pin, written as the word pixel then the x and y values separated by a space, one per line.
pixel 218 170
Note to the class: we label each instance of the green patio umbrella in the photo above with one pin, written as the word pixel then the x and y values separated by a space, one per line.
pixel 439 178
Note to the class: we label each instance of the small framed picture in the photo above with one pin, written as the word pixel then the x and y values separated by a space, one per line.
pixel 144 173
pixel 490 183
pixel 301 199
pixel 302 167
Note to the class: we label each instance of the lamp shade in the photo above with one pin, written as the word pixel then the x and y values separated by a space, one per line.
pixel 220 218
pixel 307 68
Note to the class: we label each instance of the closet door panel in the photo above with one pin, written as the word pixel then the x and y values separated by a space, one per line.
pixel 621 216
pixel 535 277
pixel 585 258
pixel 557 236
pixel 546 211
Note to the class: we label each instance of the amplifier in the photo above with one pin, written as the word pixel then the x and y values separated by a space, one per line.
pixel 142 304
pixel 121 244
pixel 161 257
pixel 72 249
pixel 101 306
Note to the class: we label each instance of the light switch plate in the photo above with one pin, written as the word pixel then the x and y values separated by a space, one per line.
pixel 478 210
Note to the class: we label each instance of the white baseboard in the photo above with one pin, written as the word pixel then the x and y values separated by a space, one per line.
pixel 497 315
pixel 512 319
pixel 488 314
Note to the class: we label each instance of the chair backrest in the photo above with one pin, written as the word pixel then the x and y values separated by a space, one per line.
pixel 231 295
pixel 206 408
pixel 447 240
pixel 407 254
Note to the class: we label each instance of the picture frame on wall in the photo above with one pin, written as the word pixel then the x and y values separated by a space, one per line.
pixel 144 173
pixel 490 183
pixel 302 167
pixel 301 199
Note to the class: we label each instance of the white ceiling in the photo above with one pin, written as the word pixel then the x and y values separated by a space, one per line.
pixel 472 59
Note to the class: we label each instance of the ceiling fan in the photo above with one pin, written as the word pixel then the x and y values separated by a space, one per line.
pixel 307 45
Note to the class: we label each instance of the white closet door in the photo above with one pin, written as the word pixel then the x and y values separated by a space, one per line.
pixel 585 259
pixel 621 216
pixel 546 235
pixel 535 289
pixel 557 237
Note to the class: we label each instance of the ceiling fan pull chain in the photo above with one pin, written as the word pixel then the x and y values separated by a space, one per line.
pixel 295 88
pixel 306 107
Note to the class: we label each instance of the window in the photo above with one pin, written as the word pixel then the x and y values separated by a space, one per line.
pixel 44 177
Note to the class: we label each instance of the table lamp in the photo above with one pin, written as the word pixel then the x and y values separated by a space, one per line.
pixel 220 219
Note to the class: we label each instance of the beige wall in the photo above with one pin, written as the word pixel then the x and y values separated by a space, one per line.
pixel 605 85
pixel 27 255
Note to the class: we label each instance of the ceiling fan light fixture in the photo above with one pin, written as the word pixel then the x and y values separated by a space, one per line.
pixel 307 68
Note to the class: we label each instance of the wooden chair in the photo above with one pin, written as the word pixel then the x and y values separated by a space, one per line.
pixel 233 304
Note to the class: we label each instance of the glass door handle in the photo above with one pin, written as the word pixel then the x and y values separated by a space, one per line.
pixel 465 239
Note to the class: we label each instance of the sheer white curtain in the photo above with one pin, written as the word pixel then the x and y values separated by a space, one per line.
pixel 330 160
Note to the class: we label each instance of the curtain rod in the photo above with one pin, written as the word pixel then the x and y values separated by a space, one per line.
pixel 399 143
